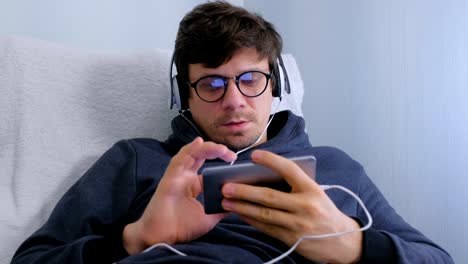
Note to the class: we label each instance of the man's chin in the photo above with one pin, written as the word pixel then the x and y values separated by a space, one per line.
pixel 236 143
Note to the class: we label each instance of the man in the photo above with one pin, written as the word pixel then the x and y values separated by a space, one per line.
pixel 144 192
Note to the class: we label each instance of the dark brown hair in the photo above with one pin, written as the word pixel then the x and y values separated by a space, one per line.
pixel 212 32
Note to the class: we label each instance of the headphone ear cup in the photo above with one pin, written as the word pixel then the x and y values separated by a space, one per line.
pixel 179 97
pixel 182 93
pixel 278 81
pixel 284 78
pixel 174 99
pixel 175 95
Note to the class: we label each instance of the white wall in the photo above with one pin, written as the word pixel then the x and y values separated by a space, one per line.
pixel 103 24
pixel 387 81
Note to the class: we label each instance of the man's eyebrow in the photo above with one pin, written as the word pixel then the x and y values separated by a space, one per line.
pixel 239 73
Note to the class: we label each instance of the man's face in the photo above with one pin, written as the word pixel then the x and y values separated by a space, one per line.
pixel 235 120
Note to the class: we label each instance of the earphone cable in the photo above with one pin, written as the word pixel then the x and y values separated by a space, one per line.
pixel 261 135
pixel 285 254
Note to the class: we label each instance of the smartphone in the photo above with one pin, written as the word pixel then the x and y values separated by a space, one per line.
pixel 249 173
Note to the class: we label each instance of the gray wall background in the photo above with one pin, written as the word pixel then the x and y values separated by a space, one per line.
pixel 386 81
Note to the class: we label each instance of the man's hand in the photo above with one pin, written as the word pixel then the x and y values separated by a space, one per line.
pixel 173 214
pixel 306 210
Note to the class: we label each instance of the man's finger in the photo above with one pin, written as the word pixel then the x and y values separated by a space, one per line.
pixel 264 214
pixel 193 155
pixel 258 195
pixel 289 170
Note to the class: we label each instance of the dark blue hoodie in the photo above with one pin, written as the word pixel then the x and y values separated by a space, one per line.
pixel 86 225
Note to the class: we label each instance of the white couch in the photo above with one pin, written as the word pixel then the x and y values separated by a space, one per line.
pixel 62 107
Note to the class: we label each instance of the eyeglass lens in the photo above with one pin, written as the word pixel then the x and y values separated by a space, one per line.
pixel 212 88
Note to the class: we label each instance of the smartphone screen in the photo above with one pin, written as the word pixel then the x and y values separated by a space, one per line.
pixel 249 173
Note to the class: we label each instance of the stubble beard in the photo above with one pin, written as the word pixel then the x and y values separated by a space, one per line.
pixel 241 143
pixel 238 140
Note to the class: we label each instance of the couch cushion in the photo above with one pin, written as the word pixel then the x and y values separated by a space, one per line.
pixel 62 107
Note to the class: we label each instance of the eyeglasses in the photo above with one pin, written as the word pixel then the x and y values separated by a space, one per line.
pixel 212 88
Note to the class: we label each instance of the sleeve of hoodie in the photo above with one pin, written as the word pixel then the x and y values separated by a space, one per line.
pixel 86 225
pixel 391 239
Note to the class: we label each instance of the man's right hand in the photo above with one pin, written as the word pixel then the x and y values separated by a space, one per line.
pixel 173 214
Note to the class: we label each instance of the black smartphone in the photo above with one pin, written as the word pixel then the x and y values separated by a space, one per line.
pixel 249 173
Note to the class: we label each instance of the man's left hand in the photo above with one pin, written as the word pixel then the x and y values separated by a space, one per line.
pixel 306 210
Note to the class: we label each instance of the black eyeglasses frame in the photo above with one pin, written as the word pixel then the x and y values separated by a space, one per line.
pixel 226 84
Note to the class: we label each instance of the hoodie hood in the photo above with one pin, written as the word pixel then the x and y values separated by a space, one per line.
pixel 286 135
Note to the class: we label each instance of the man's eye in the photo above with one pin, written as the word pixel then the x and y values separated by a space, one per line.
pixel 217 83
pixel 248 82
pixel 211 83
pixel 248 79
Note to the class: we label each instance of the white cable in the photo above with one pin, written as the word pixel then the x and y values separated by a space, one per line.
pixel 324 187
pixel 166 246
pixel 251 145
pixel 261 135
pixel 327 187
pixel 182 114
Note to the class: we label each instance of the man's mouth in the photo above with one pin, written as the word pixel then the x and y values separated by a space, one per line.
pixel 236 124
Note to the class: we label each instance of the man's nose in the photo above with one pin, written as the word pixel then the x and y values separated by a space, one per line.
pixel 233 97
